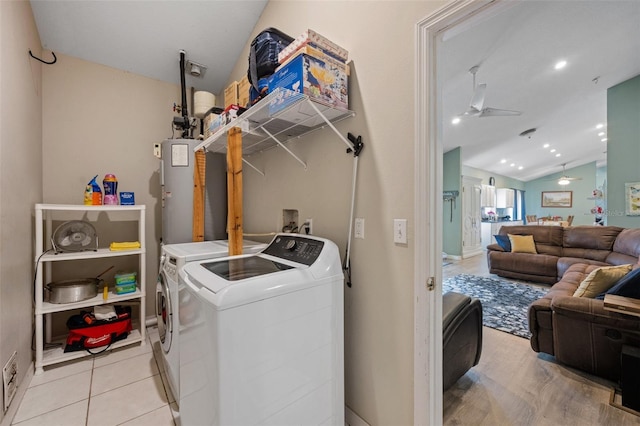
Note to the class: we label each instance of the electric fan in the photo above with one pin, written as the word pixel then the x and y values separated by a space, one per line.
pixel 74 236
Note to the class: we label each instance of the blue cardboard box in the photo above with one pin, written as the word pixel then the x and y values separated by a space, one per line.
pixel 323 82
pixel 127 199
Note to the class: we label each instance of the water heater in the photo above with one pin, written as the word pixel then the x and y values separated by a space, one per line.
pixel 176 181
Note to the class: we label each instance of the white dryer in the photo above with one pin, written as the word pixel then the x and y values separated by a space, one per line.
pixel 172 258
pixel 261 336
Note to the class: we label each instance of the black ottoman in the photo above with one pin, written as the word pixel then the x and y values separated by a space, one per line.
pixel 461 335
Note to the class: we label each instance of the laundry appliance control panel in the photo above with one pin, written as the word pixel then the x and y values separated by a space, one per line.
pixel 295 248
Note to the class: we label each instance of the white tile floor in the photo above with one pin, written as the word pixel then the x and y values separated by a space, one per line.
pixel 126 386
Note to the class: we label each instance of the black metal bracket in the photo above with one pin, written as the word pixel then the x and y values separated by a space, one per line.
pixel 45 62
pixel 357 143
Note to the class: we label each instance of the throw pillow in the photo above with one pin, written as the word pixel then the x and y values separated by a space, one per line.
pixel 627 286
pixel 600 280
pixel 503 241
pixel 522 244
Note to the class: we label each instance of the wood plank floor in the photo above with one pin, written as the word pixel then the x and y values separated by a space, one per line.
pixel 513 385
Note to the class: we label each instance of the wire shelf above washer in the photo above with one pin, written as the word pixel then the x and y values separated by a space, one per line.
pixel 280 116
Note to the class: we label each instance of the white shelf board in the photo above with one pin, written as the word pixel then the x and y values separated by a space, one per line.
pixel 100 253
pixel 81 207
pixel 48 308
pixel 299 117
pixel 57 355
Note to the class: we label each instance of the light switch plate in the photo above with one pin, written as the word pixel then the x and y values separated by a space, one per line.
pixel 400 231
pixel 359 228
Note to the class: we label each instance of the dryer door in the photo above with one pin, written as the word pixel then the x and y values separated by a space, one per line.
pixel 164 312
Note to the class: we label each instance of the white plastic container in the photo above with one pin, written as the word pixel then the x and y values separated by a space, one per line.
pixel 203 102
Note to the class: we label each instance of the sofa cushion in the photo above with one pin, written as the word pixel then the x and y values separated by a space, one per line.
pixel 548 239
pixel 540 268
pixel 503 242
pixel 600 280
pixel 522 244
pixel 628 243
pixel 564 263
pixel 590 237
pixel 627 286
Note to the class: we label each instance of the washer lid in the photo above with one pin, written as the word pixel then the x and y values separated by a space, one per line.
pixel 235 269
pixel 208 249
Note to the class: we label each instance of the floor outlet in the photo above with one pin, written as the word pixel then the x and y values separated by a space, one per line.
pixel 359 228
pixel 10 379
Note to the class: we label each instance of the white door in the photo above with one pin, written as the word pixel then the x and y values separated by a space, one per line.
pixel 471 216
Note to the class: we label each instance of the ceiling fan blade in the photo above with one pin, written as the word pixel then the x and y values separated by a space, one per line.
pixel 471 112
pixel 495 112
pixel 477 101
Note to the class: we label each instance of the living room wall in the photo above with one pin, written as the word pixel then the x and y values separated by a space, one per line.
pixel 623 148
pixel 582 191
pixel 500 181
pixel 452 223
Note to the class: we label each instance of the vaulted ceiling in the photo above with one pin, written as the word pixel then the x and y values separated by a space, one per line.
pixel 516 52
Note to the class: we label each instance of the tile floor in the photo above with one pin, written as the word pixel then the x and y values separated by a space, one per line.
pixel 126 386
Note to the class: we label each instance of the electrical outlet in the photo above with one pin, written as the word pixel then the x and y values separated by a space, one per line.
pixel 308 224
pixel 10 379
pixel 400 231
pixel 157 150
pixel 358 232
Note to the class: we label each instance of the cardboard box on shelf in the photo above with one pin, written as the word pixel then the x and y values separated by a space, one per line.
pixel 230 112
pixel 310 37
pixel 318 54
pixel 231 94
pixel 321 81
pixel 208 119
pixel 243 92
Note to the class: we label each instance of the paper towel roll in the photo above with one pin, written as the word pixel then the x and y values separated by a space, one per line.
pixel 203 102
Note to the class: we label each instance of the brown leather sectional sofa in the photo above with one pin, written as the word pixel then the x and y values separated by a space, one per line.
pixel 578 331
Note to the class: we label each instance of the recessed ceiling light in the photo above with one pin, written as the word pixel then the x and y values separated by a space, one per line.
pixel 512 164
pixel 553 150
pixel 503 161
pixel 558 155
pixel 601 134
pixel 546 145
pixel 561 64
pixel 456 120
pixel 603 140
pixel 520 168
pixel 599 126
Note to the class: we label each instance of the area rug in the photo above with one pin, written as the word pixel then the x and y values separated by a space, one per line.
pixel 504 303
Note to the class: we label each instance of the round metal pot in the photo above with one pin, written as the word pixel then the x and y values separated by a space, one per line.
pixel 75 290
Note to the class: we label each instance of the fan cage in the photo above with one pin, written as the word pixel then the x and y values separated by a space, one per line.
pixel 69 230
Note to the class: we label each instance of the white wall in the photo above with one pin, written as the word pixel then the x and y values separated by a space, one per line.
pixel 99 120
pixel 20 177
pixel 379 307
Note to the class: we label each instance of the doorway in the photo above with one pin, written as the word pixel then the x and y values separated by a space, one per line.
pixel 428 202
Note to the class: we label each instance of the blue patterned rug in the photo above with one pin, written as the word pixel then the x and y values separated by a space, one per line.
pixel 504 303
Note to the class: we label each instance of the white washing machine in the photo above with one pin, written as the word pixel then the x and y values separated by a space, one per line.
pixel 174 257
pixel 261 336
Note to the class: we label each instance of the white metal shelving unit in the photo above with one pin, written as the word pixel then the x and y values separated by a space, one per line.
pixel 44 219
pixel 281 116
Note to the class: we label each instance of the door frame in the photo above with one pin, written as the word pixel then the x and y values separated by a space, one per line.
pixel 427 383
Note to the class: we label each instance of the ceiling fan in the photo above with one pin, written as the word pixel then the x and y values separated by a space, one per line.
pixel 476 106
pixel 564 179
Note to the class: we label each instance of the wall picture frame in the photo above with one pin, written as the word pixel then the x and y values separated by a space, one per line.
pixel 557 198
pixel 632 198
